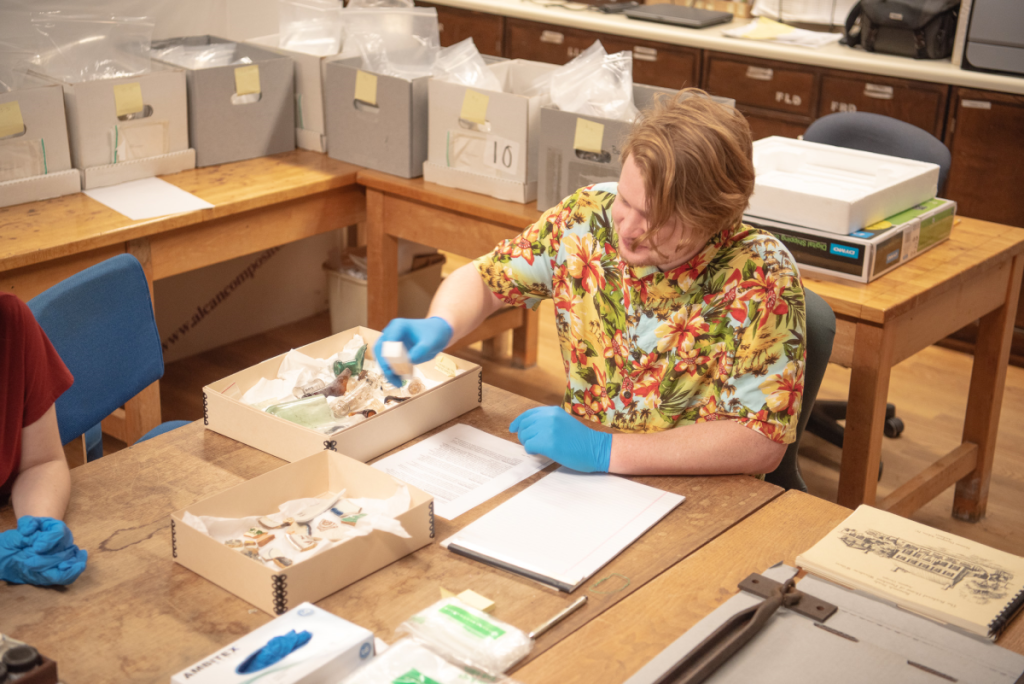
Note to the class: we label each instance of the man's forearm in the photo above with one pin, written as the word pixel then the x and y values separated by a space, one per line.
pixel 464 300
pixel 712 448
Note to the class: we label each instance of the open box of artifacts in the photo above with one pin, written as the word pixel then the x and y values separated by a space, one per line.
pixel 331 395
pixel 303 531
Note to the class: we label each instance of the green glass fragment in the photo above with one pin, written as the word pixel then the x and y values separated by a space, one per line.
pixel 356 364
pixel 310 412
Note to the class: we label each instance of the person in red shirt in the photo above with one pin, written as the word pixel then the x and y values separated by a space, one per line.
pixel 33 471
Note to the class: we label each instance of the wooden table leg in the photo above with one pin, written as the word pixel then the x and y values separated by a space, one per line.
pixel 381 264
pixel 985 399
pixel 865 415
pixel 524 341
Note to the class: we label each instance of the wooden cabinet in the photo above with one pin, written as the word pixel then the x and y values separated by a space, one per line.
pixel 921 104
pixel 455 25
pixel 656 64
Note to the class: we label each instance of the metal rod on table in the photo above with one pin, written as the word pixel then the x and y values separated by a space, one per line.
pixel 558 618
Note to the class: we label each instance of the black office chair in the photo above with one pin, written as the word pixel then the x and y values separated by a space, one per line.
pixel 883 135
pixel 821 330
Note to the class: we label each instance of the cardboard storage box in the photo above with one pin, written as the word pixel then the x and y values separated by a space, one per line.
pixel 577 151
pixel 35 158
pixel 868 253
pixel 239 111
pixel 274 589
pixel 834 189
pixel 485 141
pixel 124 129
pixel 224 413
pixel 310 121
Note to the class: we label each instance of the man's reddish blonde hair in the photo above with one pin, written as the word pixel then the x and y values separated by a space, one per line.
pixel 695 156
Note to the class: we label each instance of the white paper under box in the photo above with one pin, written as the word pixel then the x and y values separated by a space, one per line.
pixel 312 574
pixel 487 141
pixel 35 158
pixel 868 253
pixel 446 398
pixel 834 189
pixel 336 648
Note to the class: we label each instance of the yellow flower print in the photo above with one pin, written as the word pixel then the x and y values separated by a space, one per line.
pixel 584 261
pixel 681 330
pixel 785 390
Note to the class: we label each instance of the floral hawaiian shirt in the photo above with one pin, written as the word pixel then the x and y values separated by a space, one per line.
pixel 720 337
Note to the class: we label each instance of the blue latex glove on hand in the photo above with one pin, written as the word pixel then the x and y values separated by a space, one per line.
pixel 40 551
pixel 425 338
pixel 550 431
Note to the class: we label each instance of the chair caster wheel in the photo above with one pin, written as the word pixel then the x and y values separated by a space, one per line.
pixel 893 427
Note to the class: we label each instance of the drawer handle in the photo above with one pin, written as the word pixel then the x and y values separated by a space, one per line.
pixel 759 73
pixel 645 54
pixel 440 27
pixel 878 92
pixel 976 104
pixel 553 37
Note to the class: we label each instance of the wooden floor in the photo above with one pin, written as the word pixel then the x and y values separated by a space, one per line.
pixel 929 391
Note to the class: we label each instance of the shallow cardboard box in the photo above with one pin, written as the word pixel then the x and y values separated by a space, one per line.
pixel 389 137
pixel 94 127
pixel 274 589
pixel 222 131
pixel 499 157
pixel 40 155
pixel 310 122
pixel 562 169
pixel 834 189
pixel 868 253
pixel 225 414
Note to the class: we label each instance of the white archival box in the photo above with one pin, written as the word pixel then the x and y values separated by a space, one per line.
pixel 835 189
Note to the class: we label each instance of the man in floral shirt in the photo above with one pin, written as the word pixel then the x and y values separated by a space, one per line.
pixel 679 327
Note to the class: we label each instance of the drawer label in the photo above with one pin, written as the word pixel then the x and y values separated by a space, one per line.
pixel 787 98
pixel 843 106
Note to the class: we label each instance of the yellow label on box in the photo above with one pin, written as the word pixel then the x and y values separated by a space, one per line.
pixel 11 122
pixel 366 87
pixel 128 98
pixel 446 365
pixel 589 136
pixel 474 107
pixel 247 79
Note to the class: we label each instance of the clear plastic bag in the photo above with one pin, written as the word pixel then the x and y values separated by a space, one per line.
pixel 310 26
pixel 400 42
pixel 467 636
pixel 408 661
pixel 204 56
pixel 395 55
pixel 596 84
pixel 462 63
pixel 77 47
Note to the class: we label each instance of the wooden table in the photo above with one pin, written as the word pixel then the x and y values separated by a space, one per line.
pixel 457 221
pixel 259 203
pixel 975 275
pixel 137 616
pixel 615 646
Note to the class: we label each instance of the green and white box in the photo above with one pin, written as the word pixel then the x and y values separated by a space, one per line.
pixel 869 253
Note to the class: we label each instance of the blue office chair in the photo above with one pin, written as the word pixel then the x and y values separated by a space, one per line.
pixel 101 323
pixel 821 330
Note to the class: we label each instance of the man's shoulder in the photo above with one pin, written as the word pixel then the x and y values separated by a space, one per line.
pixel 748 243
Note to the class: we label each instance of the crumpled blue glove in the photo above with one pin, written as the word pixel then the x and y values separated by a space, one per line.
pixel 276 649
pixel 425 338
pixel 550 431
pixel 40 551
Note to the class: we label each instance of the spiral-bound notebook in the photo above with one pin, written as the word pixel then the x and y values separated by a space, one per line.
pixel 930 572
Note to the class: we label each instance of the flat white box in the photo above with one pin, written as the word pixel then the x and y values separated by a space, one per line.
pixel 222 130
pixel 337 648
pixel 310 120
pixel 38 160
pixel 95 129
pixel 834 189
pixel 272 589
pixel 498 158
pixel 364 440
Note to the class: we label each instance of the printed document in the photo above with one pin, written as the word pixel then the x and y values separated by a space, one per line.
pixel 462 467
pixel 147 198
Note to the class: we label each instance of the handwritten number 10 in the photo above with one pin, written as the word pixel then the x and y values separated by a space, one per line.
pixel 506 155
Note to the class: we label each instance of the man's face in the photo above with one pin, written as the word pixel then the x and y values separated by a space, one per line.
pixel 629 215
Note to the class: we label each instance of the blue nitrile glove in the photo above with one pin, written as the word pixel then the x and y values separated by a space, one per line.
pixel 276 649
pixel 41 552
pixel 425 338
pixel 550 431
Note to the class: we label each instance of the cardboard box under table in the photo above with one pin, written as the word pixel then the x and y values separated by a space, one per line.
pixel 868 253
pixel 487 141
pixel 239 111
pixel 35 157
pixel 274 589
pixel 225 414
pixel 127 128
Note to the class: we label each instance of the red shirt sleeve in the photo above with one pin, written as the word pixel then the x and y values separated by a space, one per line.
pixel 32 376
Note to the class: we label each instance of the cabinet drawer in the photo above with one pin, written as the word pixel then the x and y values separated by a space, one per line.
pixel 455 25
pixel 921 104
pixel 761 83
